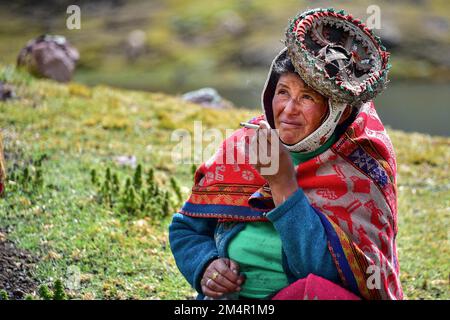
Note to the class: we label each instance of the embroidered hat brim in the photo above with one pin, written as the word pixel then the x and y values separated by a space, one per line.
pixel 337 55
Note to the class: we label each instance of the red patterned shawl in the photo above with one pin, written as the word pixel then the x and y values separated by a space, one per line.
pixel 352 185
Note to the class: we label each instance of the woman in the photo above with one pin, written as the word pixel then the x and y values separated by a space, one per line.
pixel 324 225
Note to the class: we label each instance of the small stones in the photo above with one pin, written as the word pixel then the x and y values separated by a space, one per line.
pixel 15 267
pixel 6 91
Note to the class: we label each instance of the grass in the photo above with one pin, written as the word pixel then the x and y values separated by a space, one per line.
pixel 123 256
pixel 80 129
pixel 186 42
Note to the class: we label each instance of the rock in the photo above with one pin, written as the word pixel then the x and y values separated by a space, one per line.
pixel 135 44
pixel 129 161
pixel 255 54
pixel 208 97
pixel 232 23
pixel 49 57
pixel 436 53
pixel 6 92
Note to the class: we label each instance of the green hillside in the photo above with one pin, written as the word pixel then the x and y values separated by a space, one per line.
pixel 56 135
pixel 186 43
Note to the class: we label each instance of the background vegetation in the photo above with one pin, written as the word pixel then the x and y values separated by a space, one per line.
pixel 59 133
pixel 73 204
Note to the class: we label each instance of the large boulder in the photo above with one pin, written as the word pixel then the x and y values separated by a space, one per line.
pixel 49 57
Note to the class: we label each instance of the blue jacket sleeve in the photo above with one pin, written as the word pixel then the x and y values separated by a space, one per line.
pixel 303 238
pixel 193 246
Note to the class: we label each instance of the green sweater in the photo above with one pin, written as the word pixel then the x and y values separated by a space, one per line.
pixel 257 248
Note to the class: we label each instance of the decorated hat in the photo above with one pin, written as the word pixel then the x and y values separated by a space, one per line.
pixel 337 55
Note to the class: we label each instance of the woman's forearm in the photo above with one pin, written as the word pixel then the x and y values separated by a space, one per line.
pixel 193 246
pixel 282 191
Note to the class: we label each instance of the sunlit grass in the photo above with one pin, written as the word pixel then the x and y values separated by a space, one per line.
pixel 81 128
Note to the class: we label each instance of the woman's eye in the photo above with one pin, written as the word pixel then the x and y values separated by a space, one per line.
pixel 308 97
pixel 282 91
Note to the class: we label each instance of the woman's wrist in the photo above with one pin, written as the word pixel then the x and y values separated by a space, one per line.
pixel 282 191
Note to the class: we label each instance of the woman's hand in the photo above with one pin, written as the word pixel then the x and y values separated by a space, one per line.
pixel 279 171
pixel 221 277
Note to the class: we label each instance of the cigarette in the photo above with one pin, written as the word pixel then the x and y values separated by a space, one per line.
pixel 249 125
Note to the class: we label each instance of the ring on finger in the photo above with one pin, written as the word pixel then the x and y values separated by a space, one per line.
pixel 215 274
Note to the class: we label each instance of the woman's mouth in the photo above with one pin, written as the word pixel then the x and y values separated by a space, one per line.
pixel 291 124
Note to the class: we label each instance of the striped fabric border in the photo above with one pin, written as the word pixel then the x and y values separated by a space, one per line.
pixel 221 211
pixel 349 260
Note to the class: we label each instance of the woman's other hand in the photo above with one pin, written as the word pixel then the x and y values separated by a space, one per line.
pixel 277 168
pixel 221 277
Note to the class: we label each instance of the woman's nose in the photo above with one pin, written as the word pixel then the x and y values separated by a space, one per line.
pixel 292 107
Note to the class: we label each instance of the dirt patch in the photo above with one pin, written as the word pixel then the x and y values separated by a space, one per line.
pixel 15 269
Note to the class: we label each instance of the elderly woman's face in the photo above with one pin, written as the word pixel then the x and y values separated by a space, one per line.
pixel 298 110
